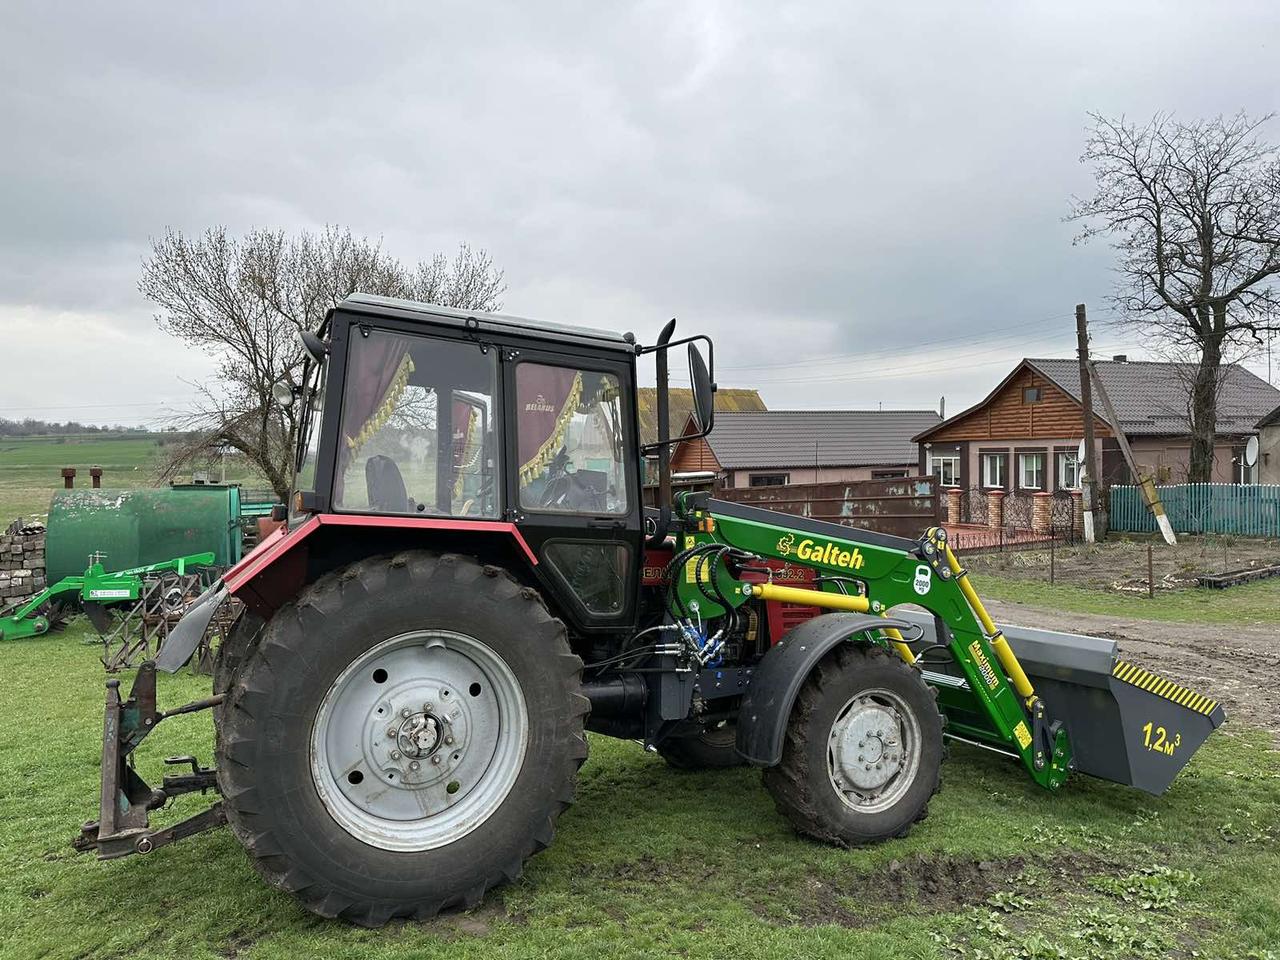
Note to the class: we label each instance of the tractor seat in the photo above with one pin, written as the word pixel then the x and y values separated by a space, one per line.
pixel 385 485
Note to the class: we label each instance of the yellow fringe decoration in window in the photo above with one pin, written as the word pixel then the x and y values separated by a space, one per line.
pixel 390 400
pixel 470 450
pixel 551 446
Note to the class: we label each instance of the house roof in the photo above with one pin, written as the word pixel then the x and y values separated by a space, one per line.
pixel 827 438
pixel 1150 397
pixel 1270 419
pixel 728 400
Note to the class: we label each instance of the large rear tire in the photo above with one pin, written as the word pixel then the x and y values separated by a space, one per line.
pixel 863 749
pixel 402 737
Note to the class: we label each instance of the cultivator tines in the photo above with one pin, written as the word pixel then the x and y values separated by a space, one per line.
pixel 135 633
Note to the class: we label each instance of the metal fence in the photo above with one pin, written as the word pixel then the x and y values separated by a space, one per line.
pixel 1246 510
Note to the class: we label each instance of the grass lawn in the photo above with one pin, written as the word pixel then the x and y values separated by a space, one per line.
pixel 654 863
pixel 1250 603
pixel 30 467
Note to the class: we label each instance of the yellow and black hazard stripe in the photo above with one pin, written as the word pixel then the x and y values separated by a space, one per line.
pixel 1146 680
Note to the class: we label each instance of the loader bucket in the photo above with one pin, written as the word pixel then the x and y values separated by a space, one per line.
pixel 1125 724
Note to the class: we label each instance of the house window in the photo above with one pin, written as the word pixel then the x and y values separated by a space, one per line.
pixel 887 474
pixel 1031 395
pixel 946 468
pixel 1031 471
pixel 1068 470
pixel 995 467
pixel 769 479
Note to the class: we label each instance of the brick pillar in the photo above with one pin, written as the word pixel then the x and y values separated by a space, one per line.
pixel 953 505
pixel 68 478
pixel 995 509
pixel 96 474
pixel 1042 513
pixel 1077 514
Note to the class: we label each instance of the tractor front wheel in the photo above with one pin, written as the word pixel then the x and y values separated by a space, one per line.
pixel 863 749
pixel 402 737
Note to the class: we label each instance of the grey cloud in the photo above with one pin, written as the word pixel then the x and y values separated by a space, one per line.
pixel 803 178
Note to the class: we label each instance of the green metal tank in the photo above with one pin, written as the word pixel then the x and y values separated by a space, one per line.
pixel 135 527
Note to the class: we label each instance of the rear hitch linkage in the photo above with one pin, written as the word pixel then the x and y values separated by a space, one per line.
pixel 123 825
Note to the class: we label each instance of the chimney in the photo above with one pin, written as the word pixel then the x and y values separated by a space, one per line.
pixel 942 408
pixel 1121 358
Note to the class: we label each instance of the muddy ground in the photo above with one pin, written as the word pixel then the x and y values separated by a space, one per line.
pixel 1239 666
pixel 1121 565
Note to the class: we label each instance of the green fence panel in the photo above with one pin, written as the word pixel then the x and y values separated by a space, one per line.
pixel 1246 510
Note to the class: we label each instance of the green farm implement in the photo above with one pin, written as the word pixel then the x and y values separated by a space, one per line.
pixel 469 581
pixel 96 591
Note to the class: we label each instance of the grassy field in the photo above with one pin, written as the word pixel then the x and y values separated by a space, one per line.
pixel 1253 603
pixel 655 863
pixel 30 467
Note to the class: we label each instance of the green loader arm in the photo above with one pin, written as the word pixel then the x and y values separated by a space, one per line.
pixel 995 706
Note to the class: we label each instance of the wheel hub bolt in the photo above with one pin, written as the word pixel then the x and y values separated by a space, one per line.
pixel 436 758
pixel 395 754
pixel 413 765
pixel 391 732
pixel 448 741
pixel 405 712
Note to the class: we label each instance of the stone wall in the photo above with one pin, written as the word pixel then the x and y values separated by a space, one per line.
pixel 21 562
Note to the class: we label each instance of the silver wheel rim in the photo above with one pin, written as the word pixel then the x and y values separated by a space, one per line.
pixel 419 740
pixel 873 750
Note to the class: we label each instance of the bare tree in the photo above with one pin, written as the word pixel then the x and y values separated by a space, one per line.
pixel 243 300
pixel 1194 211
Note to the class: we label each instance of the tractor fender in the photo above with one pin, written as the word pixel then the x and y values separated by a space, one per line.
pixel 776 681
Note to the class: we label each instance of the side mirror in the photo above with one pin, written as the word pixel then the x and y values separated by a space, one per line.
pixel 704 391
pixel 314 346
pixel 282 393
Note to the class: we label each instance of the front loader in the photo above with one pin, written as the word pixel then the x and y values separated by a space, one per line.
pixel 469 581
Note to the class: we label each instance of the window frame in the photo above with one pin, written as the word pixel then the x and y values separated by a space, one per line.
pixel 1060 455
pixel 1003 457
pixel 332 422
pixel 1022 457
pixel 1029 388
pixel 769 479
pixel 573 361
pixel 934 471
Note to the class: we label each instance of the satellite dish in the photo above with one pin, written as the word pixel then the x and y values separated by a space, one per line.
pixel 1251 451
pixel 1080 453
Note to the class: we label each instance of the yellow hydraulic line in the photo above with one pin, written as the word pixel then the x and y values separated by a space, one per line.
pixel 832 601
pixel 1004 653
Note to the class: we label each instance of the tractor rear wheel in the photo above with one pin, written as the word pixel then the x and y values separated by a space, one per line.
pixel 402 737
pixel 711 749
pixel 863 749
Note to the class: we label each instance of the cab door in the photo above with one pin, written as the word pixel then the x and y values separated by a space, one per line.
pixel 573 484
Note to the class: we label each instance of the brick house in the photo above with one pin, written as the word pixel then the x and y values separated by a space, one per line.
pixel 1023 437
pixel 777 447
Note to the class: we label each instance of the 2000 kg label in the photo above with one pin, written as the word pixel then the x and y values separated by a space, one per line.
pixel 1158 739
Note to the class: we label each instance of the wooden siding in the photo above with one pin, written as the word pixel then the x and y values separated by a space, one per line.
pixel 693 455
pixel 1007 417
pixel 904 507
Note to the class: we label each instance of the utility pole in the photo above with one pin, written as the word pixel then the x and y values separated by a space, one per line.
pixel 1090 486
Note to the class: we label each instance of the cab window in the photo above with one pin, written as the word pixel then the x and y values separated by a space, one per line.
pixel 570 440
pixel 418 432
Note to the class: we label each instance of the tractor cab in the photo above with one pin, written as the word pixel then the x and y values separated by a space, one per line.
pixel 420 416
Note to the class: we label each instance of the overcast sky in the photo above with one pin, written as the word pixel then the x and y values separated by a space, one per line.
pixel 883 184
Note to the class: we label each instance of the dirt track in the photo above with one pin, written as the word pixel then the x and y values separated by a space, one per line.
pixel 1239 666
